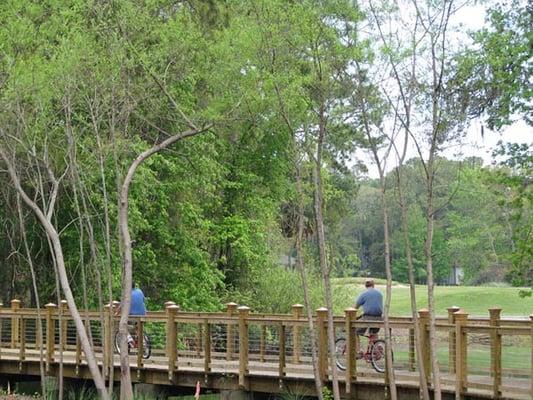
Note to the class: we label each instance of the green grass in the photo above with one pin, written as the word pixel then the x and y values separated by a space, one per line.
pixel 476 300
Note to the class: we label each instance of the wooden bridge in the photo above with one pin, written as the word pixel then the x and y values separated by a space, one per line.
pixel 238 350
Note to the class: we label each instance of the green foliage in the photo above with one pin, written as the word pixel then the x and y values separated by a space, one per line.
pixel 515 196
pixel 86 86
pixel 498 69
pixel 276 289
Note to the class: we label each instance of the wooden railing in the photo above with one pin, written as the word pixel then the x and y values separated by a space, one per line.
pixel 492 355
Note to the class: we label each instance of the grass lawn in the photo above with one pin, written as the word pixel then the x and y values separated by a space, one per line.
pixel 476 300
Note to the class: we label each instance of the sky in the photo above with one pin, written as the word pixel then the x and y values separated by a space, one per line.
pixel 474 144
pixel 473 17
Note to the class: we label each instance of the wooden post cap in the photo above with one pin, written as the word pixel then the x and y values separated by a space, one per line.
pixel 461 314
pixel 173 308
pixel 244 310
pixel 15 303
pixel 231 307
pixel 424 312
pixel 297 310
pixel 350 310
pixel 169 303
pixel 453 309
pixel 322 311
pixel 1 304
pixel 64 303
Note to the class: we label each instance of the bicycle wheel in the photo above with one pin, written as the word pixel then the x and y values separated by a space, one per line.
pixel 117 342
pixel 378 355
pixel 147 347
pixel 340 353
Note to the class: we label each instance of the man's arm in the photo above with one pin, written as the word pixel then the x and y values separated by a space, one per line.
pixel 360 300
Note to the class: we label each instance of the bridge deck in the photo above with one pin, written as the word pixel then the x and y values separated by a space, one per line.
pixel 272 353
pixel 481 386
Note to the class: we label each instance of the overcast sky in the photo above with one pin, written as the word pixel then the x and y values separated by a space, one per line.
pixel 474 143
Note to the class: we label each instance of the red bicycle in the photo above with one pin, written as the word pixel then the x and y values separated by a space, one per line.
pixel 133 344
pixel 374 354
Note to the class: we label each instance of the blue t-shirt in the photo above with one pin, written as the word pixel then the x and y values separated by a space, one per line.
pixel 137 302
pixel 372 302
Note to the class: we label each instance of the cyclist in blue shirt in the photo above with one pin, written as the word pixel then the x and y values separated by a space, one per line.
pixel 137 309
pixel 137 301
pixel 371 301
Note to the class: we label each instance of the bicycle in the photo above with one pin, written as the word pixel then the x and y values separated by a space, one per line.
pixel 374 354
pixel 133 343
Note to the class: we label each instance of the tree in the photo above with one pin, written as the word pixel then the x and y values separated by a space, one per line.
pixel 515 193
pixel 497 69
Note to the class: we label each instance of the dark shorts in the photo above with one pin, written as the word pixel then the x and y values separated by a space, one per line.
pixel 371 331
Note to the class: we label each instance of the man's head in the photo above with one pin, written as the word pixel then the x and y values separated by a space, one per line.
pixel 369 283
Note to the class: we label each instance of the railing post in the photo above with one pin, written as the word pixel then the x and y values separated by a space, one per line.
pixel 50 334
pixel 297 310
pixel 22 340
pixel 281 369
pixel 64 324
pixel 172 341
pixel 423 320
pixel 451 339
pixel 244 312
pixel 15 306
pixel 350 315
pixel 262 339
pixel 321 320
pixel 167 305
pixel 198 340
pixel 1 328
pixel 495 351
pixel 140 344
pixel 207 347
pixel 231 309
pixel 531 320
pixel 411 358
pixel 461 319
pixel 108 335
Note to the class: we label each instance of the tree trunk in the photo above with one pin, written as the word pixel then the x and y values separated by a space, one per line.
pixel 58 251
pixel 430 283
pixel 318 190
pixel 126 390
pixel 39 330
pixel 388 297
pixel 424 394
pixel 301 266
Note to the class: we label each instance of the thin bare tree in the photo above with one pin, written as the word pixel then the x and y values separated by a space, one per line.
pixel 53 236
pixel 126 391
